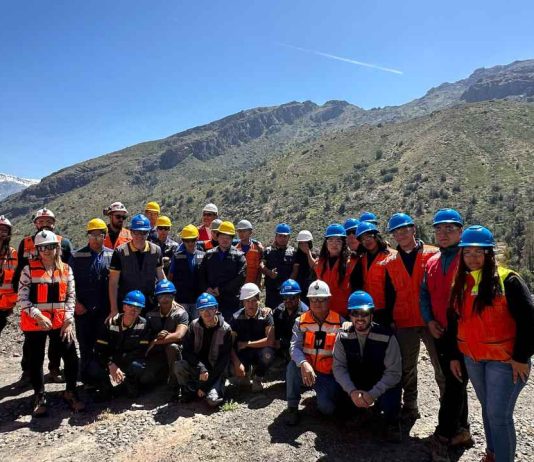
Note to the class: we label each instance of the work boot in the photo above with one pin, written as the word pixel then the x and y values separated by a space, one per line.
pixel 439 449
pixel 462 438
pixel 72 400
pixel 39 405
pixel 54 376
pixel 293 416
pixel 257 384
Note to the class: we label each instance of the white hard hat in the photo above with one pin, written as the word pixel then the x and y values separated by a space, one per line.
pixel 215 224
pixel 117 207
pixel 244 224
pixel 249 290
pixel 4 221
pixel 319 289
pixel 304 236
pixel 211 208
pixel 44 213
pixel 45 237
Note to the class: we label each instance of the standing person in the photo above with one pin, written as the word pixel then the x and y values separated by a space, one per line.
pixel 305 259
pixel 209 213
pixel 117 234
pixel 367 363
pixel 277 264
pixel 90 267
pixel 185 270
pixel 252 249
pixel 214 241
pixel 152 212
pixel 206 354
pixel 351 225
pixel 8 265
pixel 135 265
pixel 222 271
pixel 311 353
pixel 369 217
pixel 493 323
pixel 440 269
pixel 404 275
pixel 47 297
pixel 167 245
pixel 335 267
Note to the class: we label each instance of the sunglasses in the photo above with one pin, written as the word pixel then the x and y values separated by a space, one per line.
pixel 42 248
pixel 163 228
pixel 360 314
pixel 119 217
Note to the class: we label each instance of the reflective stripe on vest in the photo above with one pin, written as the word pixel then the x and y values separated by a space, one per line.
pixel 340 291
pixel 8 297
pixel 489 335
pixel 374 278
pixel 253 257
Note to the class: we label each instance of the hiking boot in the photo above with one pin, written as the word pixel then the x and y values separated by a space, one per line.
pixel 462 438
pixel 39 405
pixel 257 384
pixel 393 433
pixel 54 376
pixel 410 414
pixel 439 449
pixel 293 416
pixel 72 400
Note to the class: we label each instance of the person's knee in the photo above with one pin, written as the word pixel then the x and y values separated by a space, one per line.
pixel 326 406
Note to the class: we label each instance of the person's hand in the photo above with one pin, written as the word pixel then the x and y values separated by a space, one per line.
pixel 239 370
pixel 216 292
pixel 116 373
pixel 200 393
pixel 273 273
pixel 67 332
pixel 519 370
pixel 79 309
pixel 162 335
pixel 436 329
pixel 165 260
pixel 43 321
pixel 361 399
pixel 111 315
pixel 266 311
pixel 456 369
pixel 210 291
pixel 308 374
pixel 346 325
pixel 204 376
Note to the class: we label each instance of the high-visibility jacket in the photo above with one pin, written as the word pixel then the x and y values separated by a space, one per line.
pixel 123 237
pixel 374 277
pixel 489 335
pixel 340 290
pixel 8 265
pixel 319 339
pixel 47 294
pixel 30 252
pixel 253 257
pixel 406 311
pixel 439 285
pixel 204 233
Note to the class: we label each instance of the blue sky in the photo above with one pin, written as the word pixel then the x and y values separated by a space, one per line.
pixel 81 79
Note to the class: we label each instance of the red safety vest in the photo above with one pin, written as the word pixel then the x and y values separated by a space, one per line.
pixel 204 233
pixel 374 278
pixel 123 237
pixel 8 265
pixel 253 257
pixel 30 252
pixel 340 291
pixel 406 312
pixel 489 335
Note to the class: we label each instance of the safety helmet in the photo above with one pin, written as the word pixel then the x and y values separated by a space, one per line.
pixel 477 236
pixel 369 216
pixel 283 228
pixel 215 224
pixel 304 236
pixel 205 301
pixel 4 221
pixel 189 232
pixel 244 224
pixel 44 213
pixel 399 220
pixel 165 287
pixel 134 298
pixel 212 208
pixel 116 207
pixel 96 224
pixel 360 300
pixel 447 216
pixel 290 287
pixel 366 227
pixel 319 289
pixel 152 207
pixel 163 221
pixel 335 230
pixel 351 223
pixel 226 227
pixel 248 290
pixel 45 237
pixel 140 223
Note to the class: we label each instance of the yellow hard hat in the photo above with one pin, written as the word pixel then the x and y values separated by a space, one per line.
pixel 189 232
pixel 96 223
pixel 226 227
pixel 152 207
pixel 163 221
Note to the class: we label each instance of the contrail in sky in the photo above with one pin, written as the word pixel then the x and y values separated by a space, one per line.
pixel 340 58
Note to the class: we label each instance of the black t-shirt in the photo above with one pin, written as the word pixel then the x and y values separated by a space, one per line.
pixel 250 329
pixel 204 353
pixel 140 255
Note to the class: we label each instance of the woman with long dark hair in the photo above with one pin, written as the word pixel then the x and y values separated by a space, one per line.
pixel 492 314
pixel 305 260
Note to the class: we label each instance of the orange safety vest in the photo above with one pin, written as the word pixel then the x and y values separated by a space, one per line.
pixel 204 233
pixel 340 291
pixel 30 252
pixel 374 278
pixel 8 265
pixel 253 257
pixel 48 294
pixel 406 312
pixel 489 335
pixel 208 245
pixel 123 237
pixel 319 339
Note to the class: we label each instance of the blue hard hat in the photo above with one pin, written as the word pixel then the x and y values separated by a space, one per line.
pixel 369 216
pixel 282 228
pixel 366 227
pixel 360 300
pixel 205 301
pixel 351 223
pixel 165 287
pixel 477 236
pixel 447 216
pixel 134 298
pixel 399 220
pixel 335 230
pixel 290 287
pixel 140 223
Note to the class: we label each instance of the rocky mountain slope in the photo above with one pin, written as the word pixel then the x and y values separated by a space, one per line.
pixel 10 184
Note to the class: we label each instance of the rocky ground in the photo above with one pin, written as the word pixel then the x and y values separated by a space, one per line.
pixel 251 427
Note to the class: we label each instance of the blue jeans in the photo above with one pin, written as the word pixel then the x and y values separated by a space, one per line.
pixel 497 393
pixel 326 388
pixel 261 358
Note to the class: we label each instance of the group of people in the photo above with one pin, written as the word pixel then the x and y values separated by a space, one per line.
pixel 347 321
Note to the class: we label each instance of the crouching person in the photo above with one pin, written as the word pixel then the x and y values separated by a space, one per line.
pixel 206 354
pixel 367 364
pixel 311 350
pixel 120 350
